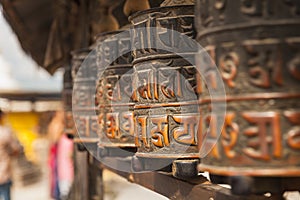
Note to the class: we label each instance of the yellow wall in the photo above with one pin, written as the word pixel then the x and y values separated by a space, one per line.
pixel 24 125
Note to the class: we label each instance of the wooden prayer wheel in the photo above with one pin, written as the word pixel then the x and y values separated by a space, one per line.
pixel 114 90
pixel 255 45
pixel 84 72
pixel 165 89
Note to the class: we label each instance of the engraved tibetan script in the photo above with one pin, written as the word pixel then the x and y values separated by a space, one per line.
pixel 266 135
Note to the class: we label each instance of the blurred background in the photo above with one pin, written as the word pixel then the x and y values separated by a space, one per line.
pixel 30 99
pixel 38 158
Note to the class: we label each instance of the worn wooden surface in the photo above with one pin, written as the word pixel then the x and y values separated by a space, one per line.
pixel 173 188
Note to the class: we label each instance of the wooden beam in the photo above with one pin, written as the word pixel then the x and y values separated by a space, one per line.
pixel 173 188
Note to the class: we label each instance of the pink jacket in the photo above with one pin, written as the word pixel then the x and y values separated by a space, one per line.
pixel 65 159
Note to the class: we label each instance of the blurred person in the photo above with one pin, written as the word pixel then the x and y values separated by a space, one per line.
pixel 9 148
pixel 55 129
pixel 65 166
pixel 60 158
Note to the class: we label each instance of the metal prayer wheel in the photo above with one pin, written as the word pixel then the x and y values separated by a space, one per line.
pixel 165 90
pixel 255 45
pixel 114 90
pixel 67 101
pixel 84 72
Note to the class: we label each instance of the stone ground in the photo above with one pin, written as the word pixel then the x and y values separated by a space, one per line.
pixel 121 190
pixel 116 188
pixel 36 191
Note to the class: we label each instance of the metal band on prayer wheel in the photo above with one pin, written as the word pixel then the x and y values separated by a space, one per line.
pixel 114 90
pixel 84 72
pixel 165 88
pixel 256 46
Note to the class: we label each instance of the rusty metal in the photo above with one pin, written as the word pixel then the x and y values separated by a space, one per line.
pixel 84 72
pixel 177 18
pixel 255 45
pixel 114 89
pixel 165 89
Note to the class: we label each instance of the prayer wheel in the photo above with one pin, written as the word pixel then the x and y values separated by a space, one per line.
pixel 84 72
pixel 165 93
pixel 114 90
pixel 67 101
pixel 255 45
